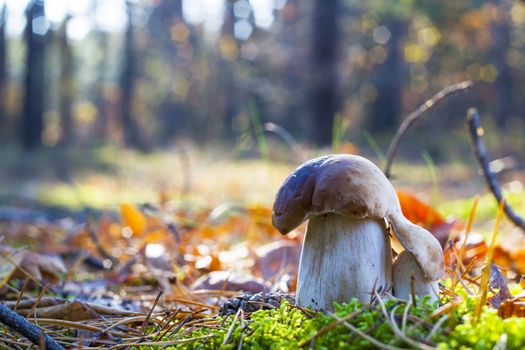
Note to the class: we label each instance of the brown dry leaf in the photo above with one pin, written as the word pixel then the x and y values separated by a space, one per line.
pixel 231 281
pixel 77 311
pixel 512 308
pixel 498 282
pixel 10 259
pixel 14 263
pixel 42 267
pixel 278 257
pixel 133 218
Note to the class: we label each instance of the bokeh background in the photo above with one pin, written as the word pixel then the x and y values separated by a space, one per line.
pixel 84 84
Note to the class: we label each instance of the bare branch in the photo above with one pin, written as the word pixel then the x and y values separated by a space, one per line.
pixel 475 132
pixel 417 114
pixel 18 324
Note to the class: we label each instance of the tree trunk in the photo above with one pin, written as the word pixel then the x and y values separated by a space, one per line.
pixel 324 99
pixel 503 83
pixel 127 86
pixel 171 113
pixel 66 85
pixel 3 78
pixel 386 109
pixel 227 74
pixel 32 121
pixel 103 122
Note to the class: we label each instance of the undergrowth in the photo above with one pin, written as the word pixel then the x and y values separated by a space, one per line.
pixel 393 325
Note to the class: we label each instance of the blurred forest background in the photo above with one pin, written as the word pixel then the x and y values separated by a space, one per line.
pixel 148 73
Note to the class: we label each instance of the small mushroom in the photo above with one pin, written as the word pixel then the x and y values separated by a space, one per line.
pixel 346 251
pixel 409 279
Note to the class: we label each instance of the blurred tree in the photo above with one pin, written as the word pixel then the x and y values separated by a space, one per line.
pixel 132 138
pixel 3 77
pixel 228 49
pixel 35 32
pixel 169 35
pixel 67 84
pixel 101 104
pixel 500 48
pixel 293 74
pixel 385 110
pixel 102 126
pixel 323 69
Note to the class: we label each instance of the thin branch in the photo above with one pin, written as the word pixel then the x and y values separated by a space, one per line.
pixel 480 152
pixel 287 137
pixel 417 114
pixel 20 325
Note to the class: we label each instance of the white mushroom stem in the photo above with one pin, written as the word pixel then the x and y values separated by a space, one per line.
pixel 343 258
pixel 409 279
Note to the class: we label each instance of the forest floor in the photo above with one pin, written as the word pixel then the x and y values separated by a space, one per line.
pixel 196 225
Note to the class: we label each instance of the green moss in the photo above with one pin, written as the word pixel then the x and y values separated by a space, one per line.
pixel 290 328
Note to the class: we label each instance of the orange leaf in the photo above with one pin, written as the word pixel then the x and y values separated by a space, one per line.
pixel 133 218
pixel 519 260
pixel 419 212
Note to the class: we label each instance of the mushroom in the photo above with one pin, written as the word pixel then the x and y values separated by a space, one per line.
pixel 409 279
pixel 346 251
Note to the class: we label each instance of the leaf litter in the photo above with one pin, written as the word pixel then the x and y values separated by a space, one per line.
pixel 155 276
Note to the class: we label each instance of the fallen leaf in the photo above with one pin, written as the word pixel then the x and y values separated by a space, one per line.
pixel 133 218
pixel 43 267
pixel 10 259
pixel 498 282
pixel 512 308
pixel 230 281
pixel 15 263
pixel 417 211
pixel 278 257
pixel 424 215
pixel 77 311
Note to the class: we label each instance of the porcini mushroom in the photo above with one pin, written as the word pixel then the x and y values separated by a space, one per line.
pixel 346 251
pixel 408 278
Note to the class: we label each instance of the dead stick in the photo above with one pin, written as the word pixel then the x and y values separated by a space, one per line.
pixel 415 115
pixel 480 152
pixel 20 325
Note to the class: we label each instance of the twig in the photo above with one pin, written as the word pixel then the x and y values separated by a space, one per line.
pixel 22 291
pixel 287 137
pixel 403 336
pixel 405 315
pixel 20 325
pixel 417 114
pixel 434 329
pixel 230 330
pixel 363 335
pixel 480 152
pixel 161 343
pixel 328 328
pixel 146 320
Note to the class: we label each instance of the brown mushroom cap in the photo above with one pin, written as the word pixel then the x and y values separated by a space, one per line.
pixel 352 186
pixel 348 185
